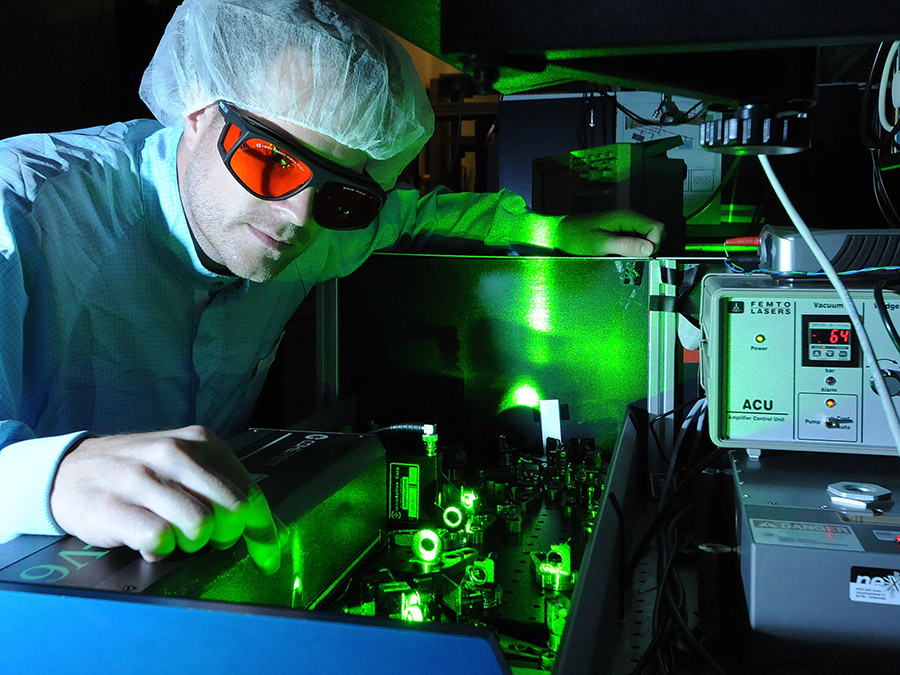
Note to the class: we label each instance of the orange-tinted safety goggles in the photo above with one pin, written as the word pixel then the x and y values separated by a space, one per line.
pixel 272 167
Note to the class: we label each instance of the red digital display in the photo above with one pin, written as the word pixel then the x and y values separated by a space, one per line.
pixel 829 336
pixel 829 341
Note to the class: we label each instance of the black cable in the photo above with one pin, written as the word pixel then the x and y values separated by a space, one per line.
pixel 492 132
pixel 882 196
pixel 620 552
pixel 693 416
pixel 698 436
pixel 761 208
pixel 661 625
pixel 865 130
pixel 722 183
pixel 457 150
pixel 653 648
pixel 416 428
pixel 637 118
pixel 664 512
pixel 878 291
pixel 671 600
pixel 586 121
pixel 657 418
pixel 683 118
pixel 692 640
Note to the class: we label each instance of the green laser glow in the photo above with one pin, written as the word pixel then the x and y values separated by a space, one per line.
pixel 718 248
pixel 297 569
pixel 411 607
pixel 427 545
pixel 527 396
pixel 453 516
pixel 522 394
pixel 468 499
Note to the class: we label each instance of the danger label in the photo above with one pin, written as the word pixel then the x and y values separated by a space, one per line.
pixel 799 533
pixel 879 586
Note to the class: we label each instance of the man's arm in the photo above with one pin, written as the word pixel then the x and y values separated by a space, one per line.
pixel 157 491
pixel 620 232
pixel 498 220
pixel 503 219
pixel 153 492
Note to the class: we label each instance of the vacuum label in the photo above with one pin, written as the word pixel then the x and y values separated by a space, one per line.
pixel 879 586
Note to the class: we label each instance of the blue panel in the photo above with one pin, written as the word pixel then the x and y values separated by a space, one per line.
pixel 87 632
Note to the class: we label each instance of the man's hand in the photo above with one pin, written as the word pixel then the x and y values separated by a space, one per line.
pixel 622 232
pixel 155 491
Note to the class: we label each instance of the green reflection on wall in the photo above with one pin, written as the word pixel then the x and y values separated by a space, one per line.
pixel 520 394
pixel 464 339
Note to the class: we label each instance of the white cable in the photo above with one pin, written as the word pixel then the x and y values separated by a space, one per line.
pixel 882 90
pixel 868 352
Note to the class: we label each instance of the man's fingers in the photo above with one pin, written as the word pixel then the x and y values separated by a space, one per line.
pixel 157 491
pixel 283 533
pixel 260 533
pixel 191 518
pixel 621 232
pixel 229 527
pixel 141 530
pixel 629 247
pixel 197 465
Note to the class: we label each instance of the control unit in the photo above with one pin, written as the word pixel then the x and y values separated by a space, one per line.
pixel 783 369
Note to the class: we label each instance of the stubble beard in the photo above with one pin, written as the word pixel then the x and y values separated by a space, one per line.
pixel 222 234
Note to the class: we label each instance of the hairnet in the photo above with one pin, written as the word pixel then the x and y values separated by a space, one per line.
pixel 316 63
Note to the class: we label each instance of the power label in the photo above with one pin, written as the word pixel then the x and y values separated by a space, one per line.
pixel 404 491
pixel 879 586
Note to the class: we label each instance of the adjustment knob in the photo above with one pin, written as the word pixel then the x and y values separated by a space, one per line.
pixel 891 376
pixel 759 129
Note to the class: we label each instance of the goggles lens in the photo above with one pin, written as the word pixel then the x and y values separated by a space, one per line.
pixel 273 168
pixel 264 168
pixel 339 205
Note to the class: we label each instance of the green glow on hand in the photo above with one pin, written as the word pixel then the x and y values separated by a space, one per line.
pixel 540 230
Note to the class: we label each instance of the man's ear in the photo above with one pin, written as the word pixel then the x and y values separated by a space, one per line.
pixel 197 123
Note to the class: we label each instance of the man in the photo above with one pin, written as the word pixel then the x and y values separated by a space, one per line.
pixel 147 271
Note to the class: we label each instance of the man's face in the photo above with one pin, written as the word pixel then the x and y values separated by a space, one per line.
pixel 254 238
